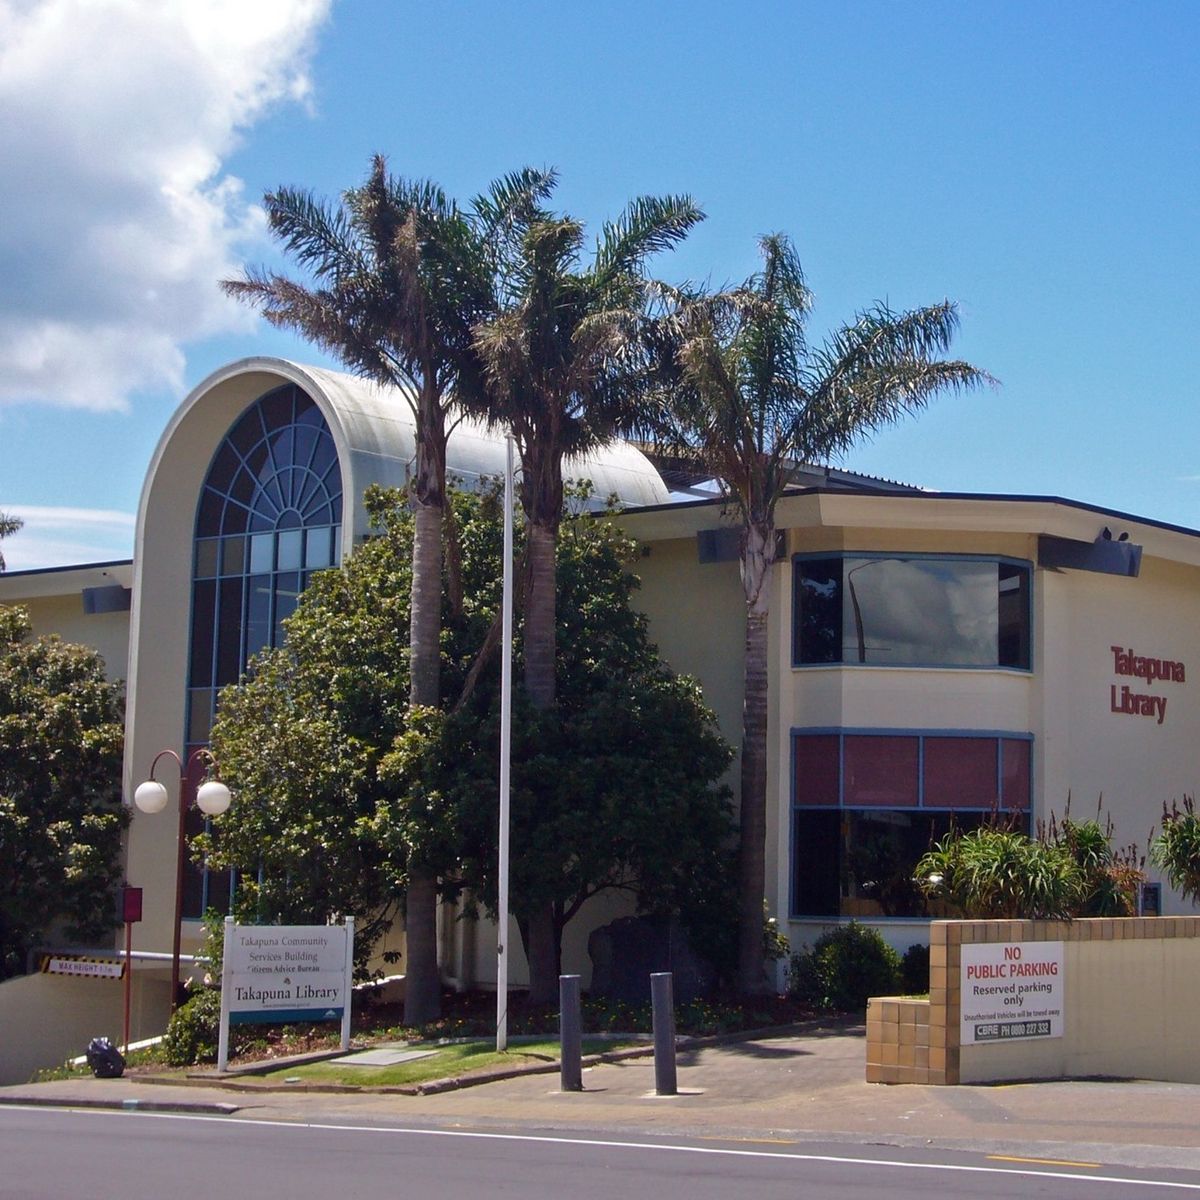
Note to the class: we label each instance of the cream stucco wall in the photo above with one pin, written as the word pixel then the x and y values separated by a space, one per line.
pixel 1125 1001
pixel 46 1019
pixel 1086 750
pixel 54 601
pixel 1080 747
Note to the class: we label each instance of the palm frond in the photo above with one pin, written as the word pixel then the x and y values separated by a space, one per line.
pixel 738 384
pixel 513 200
pixel 782 276
pixel 321 238
pixel 648 225
pixel 8 526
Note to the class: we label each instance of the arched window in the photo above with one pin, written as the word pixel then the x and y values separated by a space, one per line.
pixel 269 515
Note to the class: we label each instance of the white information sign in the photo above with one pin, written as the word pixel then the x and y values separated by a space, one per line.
pixel 1011 991
pixel 282 973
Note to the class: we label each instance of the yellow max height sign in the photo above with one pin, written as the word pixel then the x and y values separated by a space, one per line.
pixel 1011 991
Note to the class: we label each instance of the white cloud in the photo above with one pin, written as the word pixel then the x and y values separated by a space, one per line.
pixel 56 537
pixel 115 117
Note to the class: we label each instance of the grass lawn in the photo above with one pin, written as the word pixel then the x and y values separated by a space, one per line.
pixel 456 1059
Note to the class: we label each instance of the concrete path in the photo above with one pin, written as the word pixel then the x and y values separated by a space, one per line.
pixel 771 1089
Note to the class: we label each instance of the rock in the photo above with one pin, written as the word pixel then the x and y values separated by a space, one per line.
pixel 627 951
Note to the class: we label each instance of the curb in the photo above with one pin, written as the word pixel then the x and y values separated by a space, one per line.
pixel 211 1108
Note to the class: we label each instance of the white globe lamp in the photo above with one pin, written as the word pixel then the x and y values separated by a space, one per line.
pixel 151 796
pixel 213 798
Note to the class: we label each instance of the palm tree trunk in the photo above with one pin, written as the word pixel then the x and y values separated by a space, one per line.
pixel 540 632
pixel 757 559
pixel 426 617
pixel 422 984
pixel 543 948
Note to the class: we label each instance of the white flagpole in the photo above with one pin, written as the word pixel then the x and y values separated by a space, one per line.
pixel 505 744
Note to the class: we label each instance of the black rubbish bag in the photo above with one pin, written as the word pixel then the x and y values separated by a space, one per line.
pixel 105 1060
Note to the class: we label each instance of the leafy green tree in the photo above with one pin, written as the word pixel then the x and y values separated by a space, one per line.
pixel 8 526
pixel 615 786
pixel 400 277
pixel 1176 849
pixel 746 395
pixel 301 738
pixel 561 372
pixel 61 729
pixel 339 778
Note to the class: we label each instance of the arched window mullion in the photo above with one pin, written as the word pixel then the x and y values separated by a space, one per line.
pixel 282 431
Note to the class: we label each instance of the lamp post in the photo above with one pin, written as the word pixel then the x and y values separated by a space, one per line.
pixel 505 751
pixel 211 797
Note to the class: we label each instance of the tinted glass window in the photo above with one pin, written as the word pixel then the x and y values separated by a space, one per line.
pixel 816 854
pixel 919 611
pixel 1015 755
pixel 819 609
pixel 930 612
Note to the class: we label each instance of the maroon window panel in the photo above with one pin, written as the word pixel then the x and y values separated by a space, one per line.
pixel 1016 773
pixel 881 772
pixel 960 773
pixel 817 770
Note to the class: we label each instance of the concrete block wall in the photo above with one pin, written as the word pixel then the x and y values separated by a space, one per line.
pixel 1129 985
pixel 903 1044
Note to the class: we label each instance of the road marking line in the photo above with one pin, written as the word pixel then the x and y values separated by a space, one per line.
pixel 1045 1162
pixel 251 1123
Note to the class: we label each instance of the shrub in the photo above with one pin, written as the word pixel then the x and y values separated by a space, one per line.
pixel 914 970
pixel 1177 849
pixel 1111 877
pixel 844 968
pixel 997 873
pixel 191 1036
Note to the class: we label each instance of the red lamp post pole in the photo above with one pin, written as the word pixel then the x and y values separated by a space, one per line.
pixel 187 797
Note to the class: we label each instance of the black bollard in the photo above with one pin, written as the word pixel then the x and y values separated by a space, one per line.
pixel 664 1033
pixel 570 1027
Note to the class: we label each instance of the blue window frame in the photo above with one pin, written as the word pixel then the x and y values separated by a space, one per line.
pixel 269 514
pixel 866 804
pixel 911 610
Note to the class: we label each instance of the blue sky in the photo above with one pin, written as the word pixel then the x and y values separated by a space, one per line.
pixel 1038 163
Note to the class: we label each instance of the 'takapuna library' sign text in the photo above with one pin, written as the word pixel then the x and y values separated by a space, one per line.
pixel 282 973
pixel 1010 991
pixel 1122 698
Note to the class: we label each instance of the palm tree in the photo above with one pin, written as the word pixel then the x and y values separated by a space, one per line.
pixel 8 526
pixel 748 397
pixel 561 370
pixel 400 277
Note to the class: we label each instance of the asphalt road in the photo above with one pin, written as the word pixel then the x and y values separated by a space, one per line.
pixel 50 1153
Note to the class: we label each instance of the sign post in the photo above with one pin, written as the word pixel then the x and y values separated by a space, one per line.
pixel 131 912
pixel 282 973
